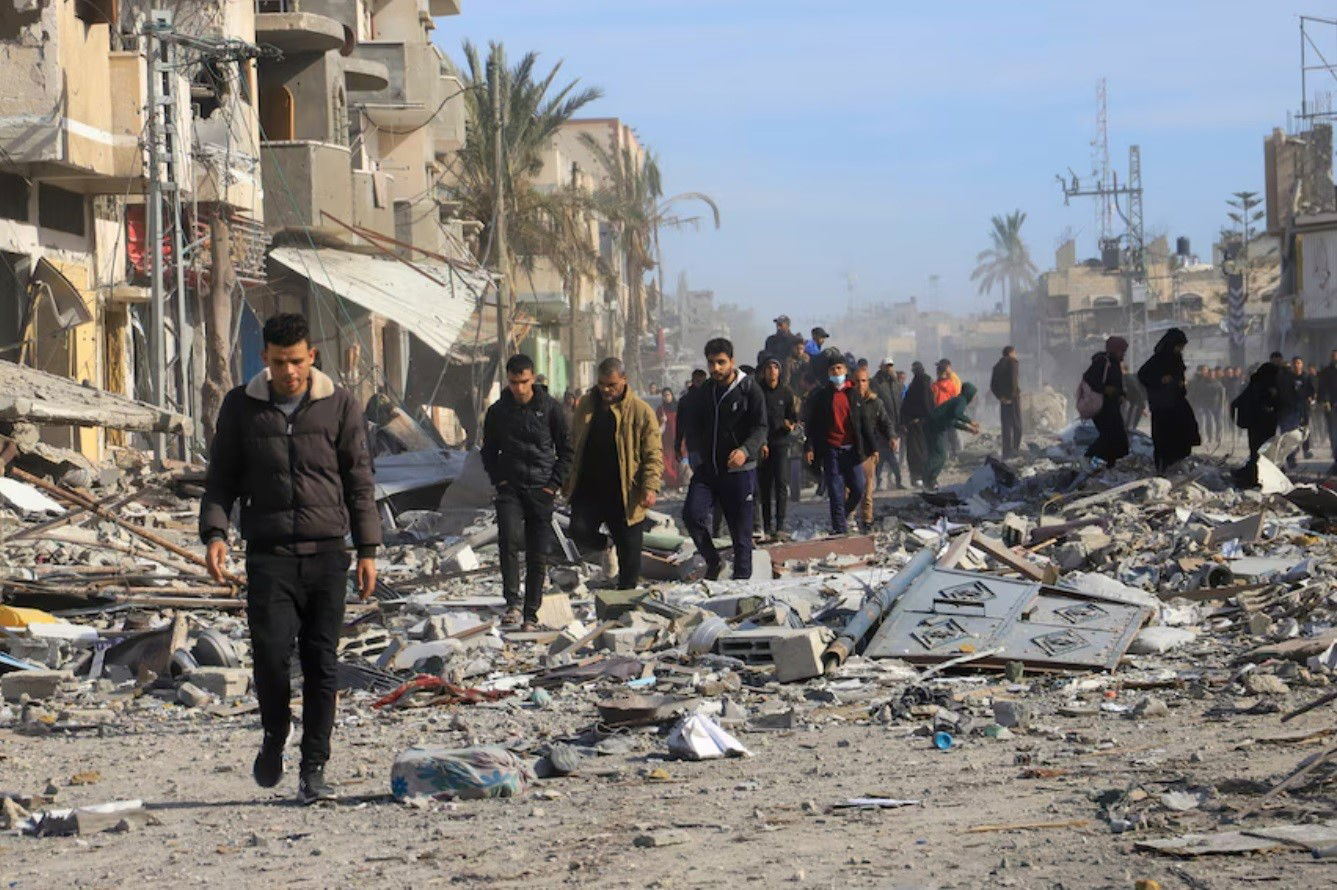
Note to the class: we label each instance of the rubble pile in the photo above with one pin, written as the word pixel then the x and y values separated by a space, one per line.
pixel 1031 605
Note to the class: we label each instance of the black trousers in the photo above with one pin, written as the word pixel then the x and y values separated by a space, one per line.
pixel 773 485
pixel 524 522
pixel 1010 416
pixel 301 599
pixel 588 512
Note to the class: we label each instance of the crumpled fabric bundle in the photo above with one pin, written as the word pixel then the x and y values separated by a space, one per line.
pixel 465 773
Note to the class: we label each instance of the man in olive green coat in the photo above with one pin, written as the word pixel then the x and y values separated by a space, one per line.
pixel 618 466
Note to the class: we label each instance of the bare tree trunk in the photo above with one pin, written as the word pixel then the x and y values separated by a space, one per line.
pixel 218 317
pixel 631 344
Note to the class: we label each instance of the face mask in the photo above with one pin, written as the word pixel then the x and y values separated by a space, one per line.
pixel 837 379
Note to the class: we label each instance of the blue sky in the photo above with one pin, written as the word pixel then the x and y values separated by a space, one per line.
pixel 877 137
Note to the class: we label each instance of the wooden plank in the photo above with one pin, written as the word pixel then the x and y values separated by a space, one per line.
pixel 955 552
pixel 1014 561
pixel 855 545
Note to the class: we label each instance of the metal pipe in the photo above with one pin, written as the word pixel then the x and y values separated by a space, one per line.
pixel 875 607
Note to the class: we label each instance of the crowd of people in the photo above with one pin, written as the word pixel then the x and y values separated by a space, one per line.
pixel 291 450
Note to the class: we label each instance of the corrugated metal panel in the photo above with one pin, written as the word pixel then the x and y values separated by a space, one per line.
pixel 435 313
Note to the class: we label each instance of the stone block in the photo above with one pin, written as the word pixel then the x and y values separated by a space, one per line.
pixel 222 682
pixel 612 604
pixel 192 696
pixel 556 610
pixel 34 684
pixel 798 656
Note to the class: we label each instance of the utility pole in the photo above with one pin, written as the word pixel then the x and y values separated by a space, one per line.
pixel 1236 269
pixel 499 232
pixel 164 196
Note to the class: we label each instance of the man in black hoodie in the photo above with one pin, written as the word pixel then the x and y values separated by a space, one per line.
pixel 724 427
pixel 527 454
pixel 773 470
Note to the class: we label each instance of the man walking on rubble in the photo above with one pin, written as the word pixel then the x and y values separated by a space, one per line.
pixel 836 443
pixel 291 447
pixel 725 426
pixel 617 469
pixel 889 390
pixel 527 454
pixel 1326 394
pixel 773 469
pixel 1005 384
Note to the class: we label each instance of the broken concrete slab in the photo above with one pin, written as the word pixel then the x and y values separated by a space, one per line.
pixel 37 685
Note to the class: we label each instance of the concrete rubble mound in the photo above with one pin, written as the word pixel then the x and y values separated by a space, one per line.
pixel 1073 618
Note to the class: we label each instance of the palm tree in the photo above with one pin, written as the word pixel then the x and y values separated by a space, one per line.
pixel 533 109
pixel 633 201
pixel 1007 264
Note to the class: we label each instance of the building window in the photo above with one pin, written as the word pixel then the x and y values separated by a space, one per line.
pixel 62 210
pixel 14 193
pixel 97 12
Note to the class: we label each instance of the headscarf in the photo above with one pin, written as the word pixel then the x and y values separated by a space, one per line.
pixel 1173 337
pixel 968 391
pixel 1117 347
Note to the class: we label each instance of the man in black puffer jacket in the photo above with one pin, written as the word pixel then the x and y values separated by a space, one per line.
pixel 527 454
pixel 292 448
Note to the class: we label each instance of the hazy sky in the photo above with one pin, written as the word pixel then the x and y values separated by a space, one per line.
pixel 877 137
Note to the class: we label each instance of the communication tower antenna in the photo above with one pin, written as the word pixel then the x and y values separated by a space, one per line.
pixel 1100 157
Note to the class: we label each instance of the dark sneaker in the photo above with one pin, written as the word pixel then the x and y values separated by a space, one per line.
pixel 312 788
pixel 713 572
pixel 268 766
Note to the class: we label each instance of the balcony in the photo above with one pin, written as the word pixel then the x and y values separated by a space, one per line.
pixel 448 126
pixel 412 92
pixel 361 75
pixel 302 26
pixel 76 127
pixel 302 179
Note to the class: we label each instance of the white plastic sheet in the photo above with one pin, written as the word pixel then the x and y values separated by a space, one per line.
pixel 699 738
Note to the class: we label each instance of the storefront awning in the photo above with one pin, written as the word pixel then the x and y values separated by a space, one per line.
pixel 437 312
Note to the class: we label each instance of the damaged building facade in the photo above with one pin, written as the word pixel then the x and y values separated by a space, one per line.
pixel 321 136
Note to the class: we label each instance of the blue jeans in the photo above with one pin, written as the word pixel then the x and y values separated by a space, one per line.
pixel 843 469
pixel 733 492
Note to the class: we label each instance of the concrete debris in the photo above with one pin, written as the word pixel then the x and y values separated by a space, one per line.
pixel 1038 613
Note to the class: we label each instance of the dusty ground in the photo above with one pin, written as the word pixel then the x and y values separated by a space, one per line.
pixel 748 822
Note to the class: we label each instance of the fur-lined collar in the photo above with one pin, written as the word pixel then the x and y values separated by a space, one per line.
pixel 322 387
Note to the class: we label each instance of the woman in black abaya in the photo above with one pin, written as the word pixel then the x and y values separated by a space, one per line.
pixel 1174 429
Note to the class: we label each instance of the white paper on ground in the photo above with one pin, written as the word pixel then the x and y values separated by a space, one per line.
pixel 699 738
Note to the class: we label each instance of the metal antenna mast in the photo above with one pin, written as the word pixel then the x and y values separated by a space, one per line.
pixel 1100 157
pixel 1135 251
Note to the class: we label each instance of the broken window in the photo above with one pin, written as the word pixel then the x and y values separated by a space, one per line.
pixel 61 209
pixel 97 12
pixel 14 192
